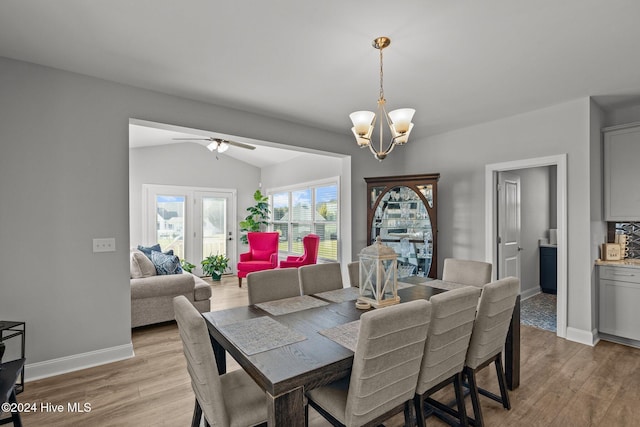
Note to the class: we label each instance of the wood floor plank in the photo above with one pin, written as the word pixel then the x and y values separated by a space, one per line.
pixel 563 383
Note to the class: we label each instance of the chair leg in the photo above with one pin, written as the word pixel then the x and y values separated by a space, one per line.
pixel 408 415
pixel 502 382
pixel 239 281
pixel 462 410
pixel 418 404
pixel 475 396
pixel 197 415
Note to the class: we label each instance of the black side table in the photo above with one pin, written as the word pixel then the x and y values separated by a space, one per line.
pixel 8 330
pixel 9 373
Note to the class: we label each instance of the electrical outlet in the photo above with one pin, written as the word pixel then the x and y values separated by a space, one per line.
pixel 104 245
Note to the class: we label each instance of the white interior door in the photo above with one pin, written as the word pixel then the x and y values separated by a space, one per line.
pixel 509 246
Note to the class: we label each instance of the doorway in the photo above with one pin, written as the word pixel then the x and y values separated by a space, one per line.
pixel 193 222
pixel 491 221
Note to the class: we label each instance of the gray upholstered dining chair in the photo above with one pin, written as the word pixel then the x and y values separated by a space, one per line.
pixel 269 285
pixel 385 368
pixel 452 317
pixel 466 272
pixel 353 268
pixel 232 399
pixel 318 278
pixel 488 337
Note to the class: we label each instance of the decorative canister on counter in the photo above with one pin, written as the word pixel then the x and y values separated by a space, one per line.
pixel 611 252
pixel 621 239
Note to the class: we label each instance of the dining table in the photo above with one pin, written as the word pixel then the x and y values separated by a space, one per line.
pixel 293 345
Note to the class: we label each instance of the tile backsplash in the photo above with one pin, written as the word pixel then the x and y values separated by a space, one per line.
pixel 631 229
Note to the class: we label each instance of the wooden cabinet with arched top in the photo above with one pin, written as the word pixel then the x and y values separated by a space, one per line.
pixel 402 211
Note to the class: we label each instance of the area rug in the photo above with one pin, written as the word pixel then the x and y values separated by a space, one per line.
pixel 539 311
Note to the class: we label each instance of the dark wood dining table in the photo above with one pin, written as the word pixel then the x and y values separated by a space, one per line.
pixel 287 371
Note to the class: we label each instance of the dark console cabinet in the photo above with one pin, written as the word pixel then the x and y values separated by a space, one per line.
pixel 548 269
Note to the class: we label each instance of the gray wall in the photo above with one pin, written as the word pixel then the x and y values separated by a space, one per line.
pixel 187 165
pixel 64 180
pixel 461 156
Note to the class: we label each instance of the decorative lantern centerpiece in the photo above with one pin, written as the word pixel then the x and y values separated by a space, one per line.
pixel 379 275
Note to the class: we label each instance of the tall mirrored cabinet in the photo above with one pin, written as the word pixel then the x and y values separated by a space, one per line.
pixel 402 211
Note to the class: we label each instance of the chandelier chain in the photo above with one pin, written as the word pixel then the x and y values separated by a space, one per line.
pixel 381 77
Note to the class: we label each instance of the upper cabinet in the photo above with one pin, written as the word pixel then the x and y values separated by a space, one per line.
pixel 622 173
pixel 402 211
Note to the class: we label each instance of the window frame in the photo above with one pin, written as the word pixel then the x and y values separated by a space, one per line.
pixel 313 222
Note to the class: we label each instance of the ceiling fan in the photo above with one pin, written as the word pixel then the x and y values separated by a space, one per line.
pixel 218 144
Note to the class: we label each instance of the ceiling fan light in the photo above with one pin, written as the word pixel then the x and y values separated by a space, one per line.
pixel 401 119
pixel 212 146
pixel 223 146
pixel 362 122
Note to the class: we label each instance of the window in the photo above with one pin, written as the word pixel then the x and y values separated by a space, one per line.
pixel 310 208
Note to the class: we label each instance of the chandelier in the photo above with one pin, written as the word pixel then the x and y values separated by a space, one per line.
pixel 399 121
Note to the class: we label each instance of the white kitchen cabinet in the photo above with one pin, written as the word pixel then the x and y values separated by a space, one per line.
pixel 621 173
pixel 619 301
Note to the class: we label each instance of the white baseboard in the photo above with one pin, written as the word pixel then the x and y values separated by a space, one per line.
pixel 75 362
pixel 529 293
pixel 619 340
pixel 582 337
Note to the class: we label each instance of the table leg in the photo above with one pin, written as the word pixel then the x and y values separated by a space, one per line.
pixel 221 356
pixel 512 349
pixel 286 410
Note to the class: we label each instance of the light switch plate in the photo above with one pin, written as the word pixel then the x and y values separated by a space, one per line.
pixel 104 245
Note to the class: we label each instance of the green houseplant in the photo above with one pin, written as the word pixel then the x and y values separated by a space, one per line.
pixel 215 265
pixel 187 266
pixel 258 215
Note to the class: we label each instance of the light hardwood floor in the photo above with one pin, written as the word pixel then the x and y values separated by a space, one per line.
pixel 563 383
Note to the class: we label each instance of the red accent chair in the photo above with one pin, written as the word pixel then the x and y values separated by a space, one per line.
pixel 262 255
pixel 311 242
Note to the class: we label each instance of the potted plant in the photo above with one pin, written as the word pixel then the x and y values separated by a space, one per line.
pixel 258 215
pixel 214 266
pixel 187 266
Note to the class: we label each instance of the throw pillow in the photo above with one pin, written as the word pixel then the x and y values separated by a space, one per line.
pixel 147 249
pixel 259 255
pixel 165 264
pixel 140 265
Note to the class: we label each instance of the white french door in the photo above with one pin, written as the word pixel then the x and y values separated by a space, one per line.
pixel 193 222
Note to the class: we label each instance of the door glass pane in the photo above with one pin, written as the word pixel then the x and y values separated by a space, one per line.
pixel 214 225
pixel 170 223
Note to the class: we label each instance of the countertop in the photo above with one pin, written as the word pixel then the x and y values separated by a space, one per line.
pixel 630 262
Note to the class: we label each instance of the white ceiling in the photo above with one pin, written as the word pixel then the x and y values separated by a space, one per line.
pixel 147 134
pixel 456 62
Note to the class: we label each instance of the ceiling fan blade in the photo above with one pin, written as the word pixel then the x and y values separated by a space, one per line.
pixel 241 145
pixel 215 142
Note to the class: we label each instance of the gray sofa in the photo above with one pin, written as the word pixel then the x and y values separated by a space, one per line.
pixel 152 295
